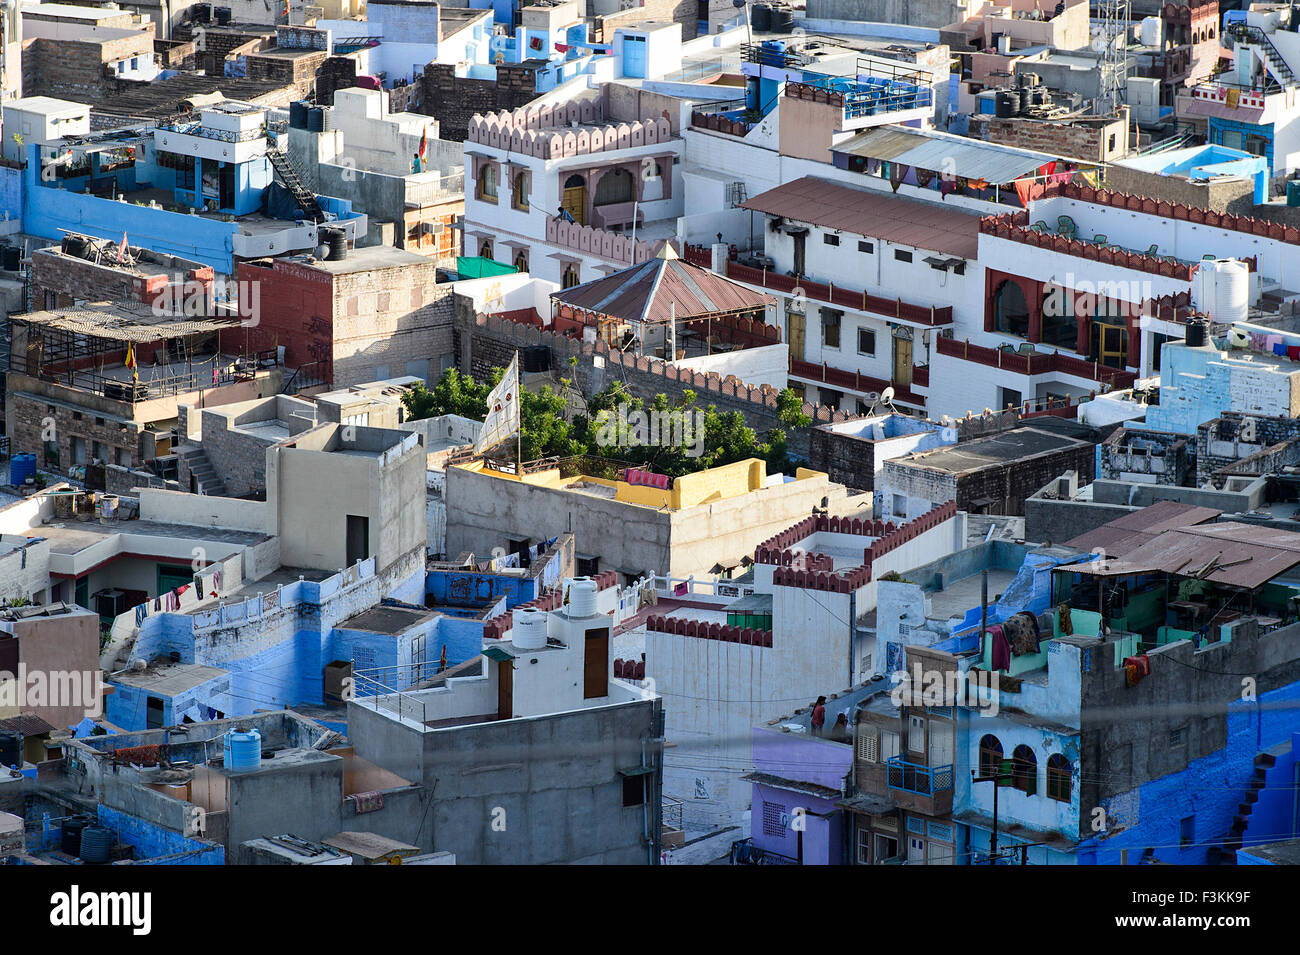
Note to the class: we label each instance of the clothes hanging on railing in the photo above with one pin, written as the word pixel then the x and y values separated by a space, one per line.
pixel 1000 652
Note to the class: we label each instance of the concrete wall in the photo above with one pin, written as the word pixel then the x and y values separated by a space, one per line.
pixel 181 507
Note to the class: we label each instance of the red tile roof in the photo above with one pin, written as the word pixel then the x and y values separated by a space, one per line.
pixel 833 205
pixel 648 291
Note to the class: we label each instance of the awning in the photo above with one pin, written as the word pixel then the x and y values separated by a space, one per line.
pixel 496 653
pixel 480 267
pixel 945 153
pixel 636 771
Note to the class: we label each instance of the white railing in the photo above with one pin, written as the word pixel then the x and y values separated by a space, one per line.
pixel 721 589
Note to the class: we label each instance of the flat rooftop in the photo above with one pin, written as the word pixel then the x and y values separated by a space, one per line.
pixel 992 451
pixel 271 582
pixel 170 679
pixel 71 536
pixel 387 620
pixel 365 259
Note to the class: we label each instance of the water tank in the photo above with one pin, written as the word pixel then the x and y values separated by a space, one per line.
pixel 529 630
pixel 74 245
pixel 1007 104
pixel 22 467
pixel 1293 192
pixel 11 748
pixel 243 750
pixel 1027 80
pixel 326 118
pixel 70 837
pixel 1221 288
pixel 314 119
pixel 337 240
pixel 1150 31
pixel 782 19
pixel 761 18
pixel 222 15
pixel 1039 96
pixel 582 597
pixel 96 841
pixel 108 507
pixel 1197 334
pixel 298 114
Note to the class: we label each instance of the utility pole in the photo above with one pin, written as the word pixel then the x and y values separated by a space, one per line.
pixel 1000 777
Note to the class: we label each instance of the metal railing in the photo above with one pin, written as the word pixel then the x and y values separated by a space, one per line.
pixel 916 778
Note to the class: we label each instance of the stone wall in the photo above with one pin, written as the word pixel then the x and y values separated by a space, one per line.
pixel 1244 444
pixel 455 100
pixel 485 342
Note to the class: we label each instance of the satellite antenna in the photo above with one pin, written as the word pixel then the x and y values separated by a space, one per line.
pixel 887 397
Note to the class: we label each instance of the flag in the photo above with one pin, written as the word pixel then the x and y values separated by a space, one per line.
pixel 123 250
pixel 424 145
pixel 130 361
pixel 502 419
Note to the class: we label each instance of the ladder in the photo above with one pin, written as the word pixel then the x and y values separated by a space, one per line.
pixel 292 179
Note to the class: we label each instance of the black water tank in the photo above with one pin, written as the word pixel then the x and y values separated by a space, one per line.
pixel 71 835
pixel 782 19
pixel 12 258
pixel 1195 335
pixel 1006 104
pixel 314 119
pixel 11 748
pixel 761 19
pixel 1040 96
pixel 298 114
pixel 222 15
pixel 337 240
pixel 74 245
pixel 96 842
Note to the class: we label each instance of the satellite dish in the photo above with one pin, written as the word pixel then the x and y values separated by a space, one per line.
pixel 887 395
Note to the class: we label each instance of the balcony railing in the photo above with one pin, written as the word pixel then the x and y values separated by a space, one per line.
pixel 1036 363
pixel 894 308
pixel 856 381
pixel 915 778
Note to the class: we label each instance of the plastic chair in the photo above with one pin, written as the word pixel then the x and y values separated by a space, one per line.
pixel 1065 226
pixel 1100 238
pixel 1039 226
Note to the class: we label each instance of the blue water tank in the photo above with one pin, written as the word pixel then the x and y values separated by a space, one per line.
pixel 22 467
pixel 243 750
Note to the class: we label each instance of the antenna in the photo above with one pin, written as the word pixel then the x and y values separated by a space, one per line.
pixel 1115 16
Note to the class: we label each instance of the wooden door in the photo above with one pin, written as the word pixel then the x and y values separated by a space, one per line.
pixel 902 361
pixel 595 665
pixel 575 203
pixel 505 689
pixel 796 322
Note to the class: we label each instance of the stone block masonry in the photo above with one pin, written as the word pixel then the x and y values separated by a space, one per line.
pixel 484 342
pixel 455 100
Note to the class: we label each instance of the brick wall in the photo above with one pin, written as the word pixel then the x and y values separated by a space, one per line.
pixel 336 73
pixel 1072 140
pixel 455 100
pixel 1234 196
pixel 390 318
pixel 1011 483
pixel 28 416
pixel 75 69
pixel 684 12
pixel 848 459
pixel 1245 444
pixel 239 459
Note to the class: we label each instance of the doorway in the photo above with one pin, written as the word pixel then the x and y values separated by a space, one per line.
pixel 1109 344
pixel 358 538
pixel 595 664
pixel 505 689
pixel 796 322
pixel 903 357
pixel 574 200
pixel 800 252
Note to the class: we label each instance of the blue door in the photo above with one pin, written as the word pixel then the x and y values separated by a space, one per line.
pixel 634 57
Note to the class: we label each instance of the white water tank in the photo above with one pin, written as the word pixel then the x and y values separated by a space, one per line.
pixel 582 597
pixel 1150 31
pixel 1221 288
pixel 529 631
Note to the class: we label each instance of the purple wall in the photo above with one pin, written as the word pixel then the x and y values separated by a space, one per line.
pixel 799 759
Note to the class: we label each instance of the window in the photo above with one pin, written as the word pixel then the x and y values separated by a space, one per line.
pixel 487 183
pixel 485 248
pixel 1059 772
pixel 830 238
pixel 865 246
pixel 1177 737
pixel 889 745
pixel 901 256
pixel 1060 323
pixel 1010 311
pixel 633 791
pixel 153 713
pixel 864 847
pixel 990 755
pixel 869 744
pixel 358 538
pixel 772 820
pixel 831 327
pixel 521 261
pixel 570 277
pixel 898 506
pixel 521 191
pixel 1024 770
pixel 1186 831
pixel 866 341
pixel 916 734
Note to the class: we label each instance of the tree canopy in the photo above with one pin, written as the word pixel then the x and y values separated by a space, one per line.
pixel 666 437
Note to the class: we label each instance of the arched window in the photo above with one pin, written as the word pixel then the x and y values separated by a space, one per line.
pixel 570 278
pixel 1024 770
pixel 1059 773
pixel 485 248
pixel 615 186
pixel 521 261
pixel 990 755
pixel 1010 310
pixel 487 183
pixel 520 200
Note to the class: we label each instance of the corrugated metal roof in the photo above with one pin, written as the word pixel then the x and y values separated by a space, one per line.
pixel 122 323
pixel 833 205
pixel 1124 534
pixel 940 152
pixel 655 290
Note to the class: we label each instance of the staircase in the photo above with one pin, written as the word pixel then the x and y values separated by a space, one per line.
pixel 202 474
pixel 292 180
pixel 1226 852
pixel 1259 38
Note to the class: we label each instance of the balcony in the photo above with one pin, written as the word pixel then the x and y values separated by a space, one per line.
pixel 854 381
pixel 867 101
pixel 1036 363
pixel 916 778
pixel 892 308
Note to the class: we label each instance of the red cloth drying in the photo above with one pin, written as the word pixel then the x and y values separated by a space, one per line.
pixel 1001 652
